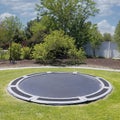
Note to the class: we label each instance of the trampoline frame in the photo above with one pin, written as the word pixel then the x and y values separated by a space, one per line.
pixel 13 89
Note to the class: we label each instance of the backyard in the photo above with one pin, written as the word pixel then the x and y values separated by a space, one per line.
pixel 15 109
pixel 62 37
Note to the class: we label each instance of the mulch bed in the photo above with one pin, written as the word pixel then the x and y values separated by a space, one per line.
pixel 90 62
pixel 105 63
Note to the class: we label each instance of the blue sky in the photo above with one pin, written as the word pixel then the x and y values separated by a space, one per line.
pixel 107 19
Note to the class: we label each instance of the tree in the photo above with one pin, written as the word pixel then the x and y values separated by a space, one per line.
pixel 12 26
pixel 35 32
pixel 107 37
pixel 2 36
pixel 28 31
pixel 95 39
pixel 117 34
pixel 39 31
pixel 68 15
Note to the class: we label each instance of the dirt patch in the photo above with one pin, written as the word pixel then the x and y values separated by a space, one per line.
pixel 105 63
pixel 21 63
pixel 102 63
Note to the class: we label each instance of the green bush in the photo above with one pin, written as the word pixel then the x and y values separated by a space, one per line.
pixel 57 46
pixel 3 54
pixel 39 53
pixel 15 51
pixel 78 56
pixel 26 53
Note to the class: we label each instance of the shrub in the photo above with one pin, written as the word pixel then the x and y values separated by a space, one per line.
pixel 78 56
pixel 39 53
pixel 15 52
pixel 4 54
pixel 26 53
pixel 57 46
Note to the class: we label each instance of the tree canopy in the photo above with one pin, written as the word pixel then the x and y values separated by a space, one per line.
pixel 35 32
pixel 117 34
pixel 107 37
pixel 12 29
pixel 95 39
pixel 68 15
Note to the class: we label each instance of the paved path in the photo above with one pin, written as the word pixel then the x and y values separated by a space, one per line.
pixel 75 67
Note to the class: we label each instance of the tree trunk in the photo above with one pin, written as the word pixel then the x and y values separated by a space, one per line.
pixel 94 52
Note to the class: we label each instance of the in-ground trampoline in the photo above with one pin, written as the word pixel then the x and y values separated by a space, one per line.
pixel 56 88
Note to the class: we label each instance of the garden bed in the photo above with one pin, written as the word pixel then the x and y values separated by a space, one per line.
pixel 90 62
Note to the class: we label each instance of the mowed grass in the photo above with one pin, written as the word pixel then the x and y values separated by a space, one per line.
pixel 12 108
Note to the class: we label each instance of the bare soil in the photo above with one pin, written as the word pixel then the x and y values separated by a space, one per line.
pixel 104 63
pixel 90 62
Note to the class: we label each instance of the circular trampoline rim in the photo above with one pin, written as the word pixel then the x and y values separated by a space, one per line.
pixel 82 99
pixel 27 76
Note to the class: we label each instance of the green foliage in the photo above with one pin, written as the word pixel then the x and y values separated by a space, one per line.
pixel 15 51
pixel 2 35
pixel 81 33
pixel 39 31
pixel 69 16
pixel 117 34
pixel 57 46
pixel 13 29
pixel 35 32
pixel 36 27
pixel 3 54
pixel 40 53
pixel 107 37
pixel 95 39
pixel 28 31
pixel 26 53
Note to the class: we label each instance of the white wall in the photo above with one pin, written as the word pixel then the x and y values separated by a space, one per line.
pixel 106 49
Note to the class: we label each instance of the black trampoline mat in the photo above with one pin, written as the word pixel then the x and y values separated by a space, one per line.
pixel 59 88
pixel 60 85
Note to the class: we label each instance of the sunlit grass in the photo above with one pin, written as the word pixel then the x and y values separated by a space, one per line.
pixel 15 109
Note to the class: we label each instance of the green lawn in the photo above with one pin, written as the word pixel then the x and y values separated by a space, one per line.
pixel 15 109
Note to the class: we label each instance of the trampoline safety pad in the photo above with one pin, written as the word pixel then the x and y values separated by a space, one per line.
pixel 59 88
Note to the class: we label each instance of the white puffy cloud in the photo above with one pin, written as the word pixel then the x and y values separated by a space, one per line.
pixel 21 7
pixel 105 27
pixel 106 5
pixel 5 15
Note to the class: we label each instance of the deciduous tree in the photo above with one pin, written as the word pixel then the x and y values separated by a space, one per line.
pixel 107 37
pixel 95 39
pixel 69 16
pixel 117 34
pixel 35 32
pixel 13 27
